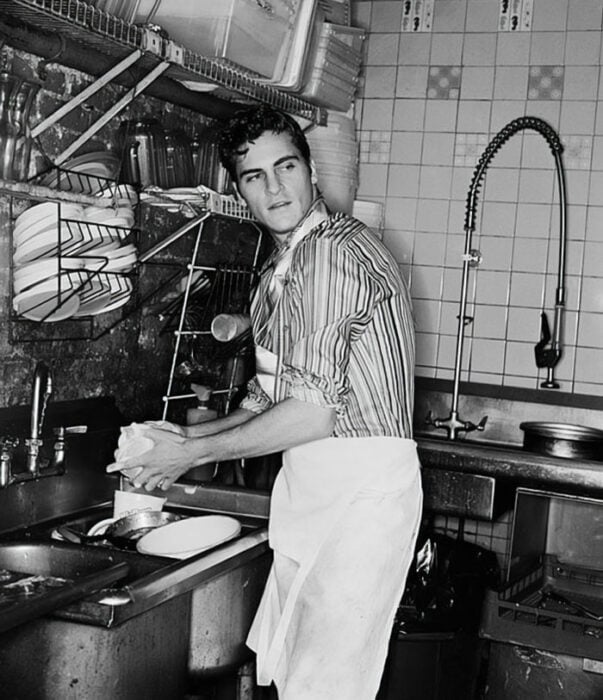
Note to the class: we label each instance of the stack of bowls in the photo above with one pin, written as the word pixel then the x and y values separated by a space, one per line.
pixel 371 214
pixel 334 149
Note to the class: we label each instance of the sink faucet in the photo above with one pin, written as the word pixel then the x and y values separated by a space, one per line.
pixel 42 389
pixel 548 349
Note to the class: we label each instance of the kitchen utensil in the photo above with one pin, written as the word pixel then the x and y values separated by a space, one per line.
pixel 145 156
pixel 130 502
pixel 563 440
pixel 123 532
pixel 189 537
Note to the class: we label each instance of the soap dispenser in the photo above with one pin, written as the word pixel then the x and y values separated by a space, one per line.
pixel 201 412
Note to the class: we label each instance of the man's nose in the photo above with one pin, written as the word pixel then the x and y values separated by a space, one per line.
pixel 273 183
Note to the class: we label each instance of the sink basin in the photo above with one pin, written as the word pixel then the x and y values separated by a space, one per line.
pixel 37 578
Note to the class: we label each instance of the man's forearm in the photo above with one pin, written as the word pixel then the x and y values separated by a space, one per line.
pixel 238 416
pixel 285 425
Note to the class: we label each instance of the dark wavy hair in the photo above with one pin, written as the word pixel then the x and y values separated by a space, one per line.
pixel 248 124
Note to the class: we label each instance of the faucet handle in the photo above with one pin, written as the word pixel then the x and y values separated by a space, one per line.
pixel 469 426
pixel 62 430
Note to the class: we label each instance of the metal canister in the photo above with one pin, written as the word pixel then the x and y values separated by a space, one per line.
pixel 145 156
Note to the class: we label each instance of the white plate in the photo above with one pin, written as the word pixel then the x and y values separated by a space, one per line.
pixel 94 293
pixel 121 291
pixel 46 243
pixel 41 270
pixel 42 300
pixel 45 213
pixel 100 527
pixel 188 537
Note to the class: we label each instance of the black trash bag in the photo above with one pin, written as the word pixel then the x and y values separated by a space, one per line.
pixel 446 585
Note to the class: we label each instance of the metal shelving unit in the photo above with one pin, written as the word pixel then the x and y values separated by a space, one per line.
pixel 113 37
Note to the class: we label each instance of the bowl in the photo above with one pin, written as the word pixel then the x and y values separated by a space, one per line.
pixel 189 537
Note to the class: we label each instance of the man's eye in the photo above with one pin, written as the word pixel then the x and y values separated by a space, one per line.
pixel 252 178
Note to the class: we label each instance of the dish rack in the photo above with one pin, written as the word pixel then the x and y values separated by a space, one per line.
pixel 76 259
pixel 209 290
pixel 545 609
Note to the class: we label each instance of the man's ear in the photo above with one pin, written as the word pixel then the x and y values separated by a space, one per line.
pixel 313 176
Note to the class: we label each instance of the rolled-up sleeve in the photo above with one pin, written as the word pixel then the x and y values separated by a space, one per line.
pixel 329 298
pixel 256 400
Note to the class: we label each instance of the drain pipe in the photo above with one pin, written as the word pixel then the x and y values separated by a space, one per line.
pixel 548 350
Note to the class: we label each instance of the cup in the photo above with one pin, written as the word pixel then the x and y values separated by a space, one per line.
pixel 128 502
pixel 227 327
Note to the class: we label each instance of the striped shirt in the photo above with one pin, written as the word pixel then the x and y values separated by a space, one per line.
pixel 342 331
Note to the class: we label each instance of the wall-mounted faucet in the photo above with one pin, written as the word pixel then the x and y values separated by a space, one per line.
pixel 36 466
pixel 41 393
pixel 548 350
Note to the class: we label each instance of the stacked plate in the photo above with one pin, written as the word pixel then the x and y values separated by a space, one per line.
pixel 334 150
pixel 88 173
pixel 70 260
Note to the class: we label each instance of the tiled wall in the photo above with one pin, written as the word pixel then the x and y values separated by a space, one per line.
pixel 437 87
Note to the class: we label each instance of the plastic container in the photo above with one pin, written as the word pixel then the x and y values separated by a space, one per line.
pixel 256 35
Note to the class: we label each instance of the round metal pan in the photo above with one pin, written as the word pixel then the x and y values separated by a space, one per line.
pixel 563 440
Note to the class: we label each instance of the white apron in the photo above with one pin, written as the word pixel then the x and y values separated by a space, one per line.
pixel 344 518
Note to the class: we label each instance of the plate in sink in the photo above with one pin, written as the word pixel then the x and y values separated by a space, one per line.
pixel 186 538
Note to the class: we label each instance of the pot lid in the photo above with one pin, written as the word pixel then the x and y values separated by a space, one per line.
pixel 563 431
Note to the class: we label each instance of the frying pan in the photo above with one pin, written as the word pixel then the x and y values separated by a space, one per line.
pixel 126 531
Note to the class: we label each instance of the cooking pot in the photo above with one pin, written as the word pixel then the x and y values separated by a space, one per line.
pixel 124 532
pixel 563 440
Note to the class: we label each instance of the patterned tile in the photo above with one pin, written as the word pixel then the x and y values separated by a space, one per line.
pixel 577 152
pixel 444 82
pixel 546 82
pixel 468 148
pixel 375 146
pixel 515 15
pixel 417 15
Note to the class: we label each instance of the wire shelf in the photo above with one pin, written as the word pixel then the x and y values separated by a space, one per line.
pixel 116 38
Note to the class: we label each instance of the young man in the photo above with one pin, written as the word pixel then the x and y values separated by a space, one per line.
pixel 333 390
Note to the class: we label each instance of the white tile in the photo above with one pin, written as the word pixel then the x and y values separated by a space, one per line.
pixel 454 246
pixel 501 185
pixel 536 185
pixel 380 81
pixel 414 49
pixel 588 364
pixel 593 258
pixel 403 180
pixel 435 182
pixel 412 82
pixel 533 220
pixel 449 16
pixel 409 114
pixel 382 50
pixel 530 255
pixel 426 349
pixel 400 212
pixel 582 48
pixel 489 321
pixel 440 115
pixel 373 179
pixel 496 252
pixel 535 152
pixel 429 248
pixel 527 289
pixel 479 49
pixel 432 215
pixel 597 155
pixel 581 83
pixel 549 15
pixel 592 295
pixel 519 359
pixel 427 315
pixel 513 49
pixel 547 48
pixel 377 114
pixel 406 147
pixel 578 117
pixel 498 219
pixel 426 282
pixel 446 49
pixel 511 83
pixel 474 116
pixel 400 244
pixel 585 14
pixel 487 355
pixel 477 83
pixel 590 333
pixel 524 324
pixel 438 149
pixel 577 186
pixel 481 16
pixel 385 16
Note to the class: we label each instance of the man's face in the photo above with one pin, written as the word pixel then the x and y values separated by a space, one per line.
pixel 275 181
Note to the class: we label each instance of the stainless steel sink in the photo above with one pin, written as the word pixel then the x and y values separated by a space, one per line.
pixel 192 614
